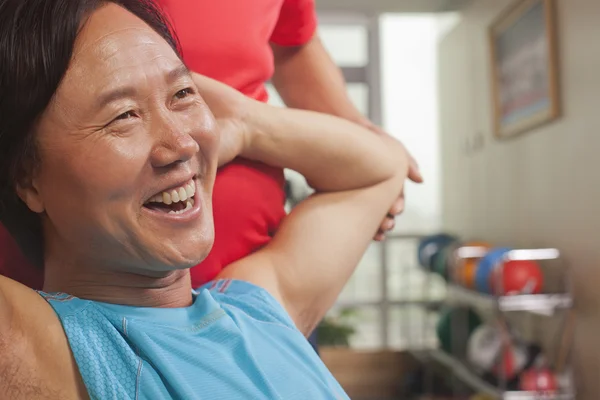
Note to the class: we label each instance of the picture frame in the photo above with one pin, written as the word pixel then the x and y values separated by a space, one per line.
pixel 524 60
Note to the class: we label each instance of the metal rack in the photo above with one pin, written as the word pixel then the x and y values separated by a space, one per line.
pixel 463 372
pixel 541 304
pixel 546 304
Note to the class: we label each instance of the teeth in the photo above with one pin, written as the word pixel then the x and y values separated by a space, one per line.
pixel 166 198
pixel 189 189
pixel 184 193
pixel 188 205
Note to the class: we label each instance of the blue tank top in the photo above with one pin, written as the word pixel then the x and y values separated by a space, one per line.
pixel 234 342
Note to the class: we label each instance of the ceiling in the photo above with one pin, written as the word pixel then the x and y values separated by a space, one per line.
pixel 400 6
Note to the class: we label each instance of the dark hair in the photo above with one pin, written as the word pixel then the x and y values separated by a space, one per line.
pixel 36 44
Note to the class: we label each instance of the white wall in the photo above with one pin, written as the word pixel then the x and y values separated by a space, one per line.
pixel 538 189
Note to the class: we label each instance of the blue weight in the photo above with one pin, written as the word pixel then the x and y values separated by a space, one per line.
pixel 430 246
pixel 486 267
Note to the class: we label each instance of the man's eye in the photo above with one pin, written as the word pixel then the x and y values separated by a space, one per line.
pixel 183 93
pixel 126 115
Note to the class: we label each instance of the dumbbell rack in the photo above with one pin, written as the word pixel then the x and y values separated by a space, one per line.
pixel 541 304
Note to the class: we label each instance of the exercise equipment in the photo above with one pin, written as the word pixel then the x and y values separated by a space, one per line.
pixel 430 246
pixel 463 272
pixel 467 273
pixel 443 261
pixel 539 380
pixel 476 243
pixel 517 277
pixel 486 267
pixel 444 328
pixel 438 260
pixel 489 352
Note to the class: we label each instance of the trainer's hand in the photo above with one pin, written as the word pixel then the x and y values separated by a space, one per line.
pixel 414 175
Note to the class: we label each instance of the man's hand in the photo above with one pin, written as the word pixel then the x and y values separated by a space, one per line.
pixel 230 108
pixel 414 175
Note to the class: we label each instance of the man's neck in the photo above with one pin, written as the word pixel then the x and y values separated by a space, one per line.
pixel 162 290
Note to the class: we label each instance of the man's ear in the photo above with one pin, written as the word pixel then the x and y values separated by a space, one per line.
pixel 27 190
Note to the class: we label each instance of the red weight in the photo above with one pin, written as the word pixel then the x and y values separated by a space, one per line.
pixel 517 277
pixel 538 380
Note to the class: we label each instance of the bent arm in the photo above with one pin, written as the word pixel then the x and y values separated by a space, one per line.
pixel 357 177
pixel 319 244
pixel 317 248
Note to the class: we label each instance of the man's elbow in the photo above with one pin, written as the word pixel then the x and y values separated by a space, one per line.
pixel 394 163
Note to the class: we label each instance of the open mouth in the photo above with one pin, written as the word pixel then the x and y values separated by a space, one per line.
pixel 174 201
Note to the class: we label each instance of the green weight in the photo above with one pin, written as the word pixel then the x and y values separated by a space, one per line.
pixel 445 326
pixel 443 260
pixel 430 246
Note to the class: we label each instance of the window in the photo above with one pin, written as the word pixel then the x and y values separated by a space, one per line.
pixel 346 43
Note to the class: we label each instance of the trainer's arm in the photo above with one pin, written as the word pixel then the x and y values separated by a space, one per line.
pixel 307 78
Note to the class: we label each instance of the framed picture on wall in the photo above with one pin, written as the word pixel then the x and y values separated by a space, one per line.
pixel 524 67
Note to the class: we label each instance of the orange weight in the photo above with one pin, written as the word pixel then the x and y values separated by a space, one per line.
pixel 468 273
pixel 464 274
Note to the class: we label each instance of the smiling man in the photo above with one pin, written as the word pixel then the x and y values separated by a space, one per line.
pixel 106 128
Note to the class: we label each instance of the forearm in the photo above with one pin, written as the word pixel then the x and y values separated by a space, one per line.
pixel 331 153
pixel 320 244
pixel 307 78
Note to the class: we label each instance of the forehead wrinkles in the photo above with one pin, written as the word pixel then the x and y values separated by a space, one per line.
pixel 121 56
pixel 119 48
pixel 110 43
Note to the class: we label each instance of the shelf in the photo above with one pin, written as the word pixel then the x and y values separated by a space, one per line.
pixel 464 374
pixel 518 254
pixel 536 396
pixel 543 304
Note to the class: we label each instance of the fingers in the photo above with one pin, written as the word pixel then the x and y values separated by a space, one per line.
pixel 379 237
pixel 397 207
pixel 387 225
pixel 413 170
pixel 389 221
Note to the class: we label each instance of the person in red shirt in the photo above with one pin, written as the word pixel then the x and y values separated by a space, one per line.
pixel 245 44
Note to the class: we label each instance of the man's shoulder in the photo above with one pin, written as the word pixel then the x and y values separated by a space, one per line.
pixel 250 299
pixel 24 312
pixel 36 360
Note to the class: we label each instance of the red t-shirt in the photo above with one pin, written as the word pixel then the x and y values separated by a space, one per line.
pixel 227 40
